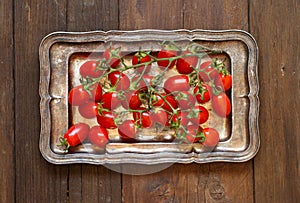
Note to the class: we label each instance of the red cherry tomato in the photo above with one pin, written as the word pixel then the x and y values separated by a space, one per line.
pixel 96 91
pixel 177 83
pixel 75 135
pixel 98 136
pixel 193 132
pixel 202 94
pixel 166 54
pixel 141 83
pixel 110 100
pixel 185 100
pixel 88 69
pixel 207 71
pixel 140 58
pixel 106 120
pixel 224 82
pixel 160 116
pixel 167 104
pixel 143 118
pixel 78 95
pixel 88 110
pixel 198 115
pixel 186 64
pixel 119 79
pixel 211 137
pixel 179 119
pixel 112 57
pixel 221 104
pixel 127 130
pixel 132 100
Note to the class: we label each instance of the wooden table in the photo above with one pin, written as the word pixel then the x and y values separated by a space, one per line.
pixel 272 176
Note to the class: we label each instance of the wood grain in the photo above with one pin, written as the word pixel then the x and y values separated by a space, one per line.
pixel 36 180
pixel 6 103
pixel 89 183
pixel 275 24
pixel 195 182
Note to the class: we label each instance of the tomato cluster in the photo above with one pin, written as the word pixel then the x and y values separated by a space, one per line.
pixel 166 89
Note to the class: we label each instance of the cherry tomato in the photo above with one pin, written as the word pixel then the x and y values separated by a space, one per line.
pixel 96 92
pixel 98 136
pixel 140 58
pixel 106 120
pixel 127 129
pixel 185 100
pixel 110 100
pixel 224 81
pixel 88 110
pixel 132 100
pixel 78 95
pixel 143 118
pixel 167 104
pixel 166 54
pixel 207 71
pixel 198 115
pixel 112 56
pixel 141 83
pixel 186 64
pixel 75 135
pixel 119 79
pixel 160 116
pixel 179 119
pixel 202 94
pixel 221 104
pixel 177 83
pixel 88 69
pixel 193 133
pixel 211 137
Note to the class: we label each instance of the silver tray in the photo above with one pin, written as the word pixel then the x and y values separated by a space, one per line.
pixel 60 53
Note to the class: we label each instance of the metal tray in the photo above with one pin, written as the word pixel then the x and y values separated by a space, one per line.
pixel 60 55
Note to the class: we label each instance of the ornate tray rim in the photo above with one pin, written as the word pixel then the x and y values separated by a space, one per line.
pixel 164 157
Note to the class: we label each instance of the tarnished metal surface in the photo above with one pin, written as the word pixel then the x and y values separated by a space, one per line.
pixel 60 56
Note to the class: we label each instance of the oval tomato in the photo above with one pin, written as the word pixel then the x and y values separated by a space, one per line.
pixel 88 69
pixel 166 54
pixel 198 115
pixel 132 100
pixel 141 83
pixel 211 137
pixel 221 104
pixel 203 93
pixel 193 133
pixel 120 80
pixel 207 71
pixel 141 58
pixel 75 135
pixel 98 136
pixel 177 83
pixel 143 118
pixel 96 92
pixel 185 100
pixel 186 64
pixel 106 119
pixel 78 95
pixel 127 130
pixel 179 119
pixel 88 110
pixel 112 57
pixel 160 116
pixel 168 102
pixel 224 81
pixel 110 100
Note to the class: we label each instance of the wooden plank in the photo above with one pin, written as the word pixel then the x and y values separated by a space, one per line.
pixel 275 24
pixel 142 14
pixel 36 180
pixel 89 183
pixel 6 103
pixel 194 182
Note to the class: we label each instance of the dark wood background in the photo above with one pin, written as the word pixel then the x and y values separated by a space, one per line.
pixel 272 176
